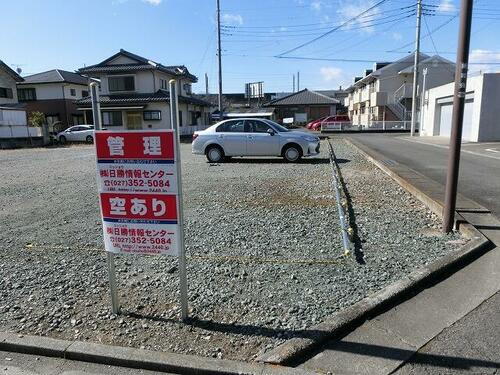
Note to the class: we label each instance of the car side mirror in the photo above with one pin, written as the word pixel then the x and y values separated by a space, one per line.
pixel 271 132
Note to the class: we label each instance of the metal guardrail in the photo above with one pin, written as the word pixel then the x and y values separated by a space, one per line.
pixel 341 202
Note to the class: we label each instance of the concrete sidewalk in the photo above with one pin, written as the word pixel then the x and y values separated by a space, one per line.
pixel 25 364
pixel 408 333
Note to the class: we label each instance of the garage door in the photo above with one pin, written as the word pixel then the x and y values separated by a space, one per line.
pixel 445 120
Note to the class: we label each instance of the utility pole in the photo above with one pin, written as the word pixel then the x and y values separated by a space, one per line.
pixel 219 55
pixel 298 81
pixel 461 69
pixel 415 70
pixel 293 83
pixel 206 84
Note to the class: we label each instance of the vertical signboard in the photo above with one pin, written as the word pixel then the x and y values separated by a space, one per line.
pixel 138 190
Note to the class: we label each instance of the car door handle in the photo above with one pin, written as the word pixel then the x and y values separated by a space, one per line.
pixel 220 136
pixel 249 136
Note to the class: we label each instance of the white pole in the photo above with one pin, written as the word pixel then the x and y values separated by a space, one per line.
pixel 422 100
pixel 415 70
pixel 96 113
pixel 180 213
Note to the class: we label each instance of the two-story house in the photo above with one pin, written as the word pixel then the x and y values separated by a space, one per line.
pixel 134 94
pixel 384 93
pixel 54 93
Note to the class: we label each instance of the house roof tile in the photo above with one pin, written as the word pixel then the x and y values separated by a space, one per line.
pixel 303 97
pixel 55 76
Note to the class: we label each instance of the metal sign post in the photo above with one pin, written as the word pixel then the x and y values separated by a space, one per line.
pixel 96 113
pixel 182 250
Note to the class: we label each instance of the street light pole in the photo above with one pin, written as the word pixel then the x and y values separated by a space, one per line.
pixel 415 70
pixel 461 70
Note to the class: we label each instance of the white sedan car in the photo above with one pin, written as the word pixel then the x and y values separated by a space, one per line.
pixel 253 137
pixel 77 133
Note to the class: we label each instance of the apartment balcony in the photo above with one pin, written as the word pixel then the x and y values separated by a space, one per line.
pixel 365 96
pixel 378 98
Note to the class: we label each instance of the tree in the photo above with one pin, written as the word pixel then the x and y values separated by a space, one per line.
pixel 36 118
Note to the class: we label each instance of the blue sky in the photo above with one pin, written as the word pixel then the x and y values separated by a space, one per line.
pixel 67 34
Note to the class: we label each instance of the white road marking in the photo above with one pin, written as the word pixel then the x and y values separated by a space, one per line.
pixel 492 150
pixel 446 147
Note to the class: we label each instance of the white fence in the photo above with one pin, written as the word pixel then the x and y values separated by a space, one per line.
pixel 374 125
pixel 12 117
pixel 19 131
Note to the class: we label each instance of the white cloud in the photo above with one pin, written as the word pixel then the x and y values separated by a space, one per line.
pixel 153 2
pixel 482 55
pixel 330 73
pixel 233 19
pixel 397 36
pixel 316 5
pixel 352 8
pixel 446 6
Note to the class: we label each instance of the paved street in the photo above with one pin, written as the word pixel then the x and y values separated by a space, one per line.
pixel 479 167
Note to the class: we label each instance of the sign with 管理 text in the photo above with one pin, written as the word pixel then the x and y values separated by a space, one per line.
pixel 138 189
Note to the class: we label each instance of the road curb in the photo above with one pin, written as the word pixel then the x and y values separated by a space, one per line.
pixel 136 358
pixel 348 319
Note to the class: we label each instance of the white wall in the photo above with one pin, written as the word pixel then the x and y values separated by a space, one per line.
pixel 49 91
pixel 12 117
pixel 8 82
pixel 485 91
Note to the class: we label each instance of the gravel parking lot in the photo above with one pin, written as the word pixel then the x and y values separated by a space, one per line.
pixel 264 252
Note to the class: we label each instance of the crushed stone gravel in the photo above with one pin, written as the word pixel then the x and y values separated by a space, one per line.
pixel 263 245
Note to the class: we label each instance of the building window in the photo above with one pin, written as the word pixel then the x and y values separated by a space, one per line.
pixel 180 118
pixel 85 93
pixel 163 84
pixel 25 95
pixel 6 92
pixel 187 88
pixel 112 118
pixel 151 115
pixel 77 119
pixel 72 92
pixel 122 83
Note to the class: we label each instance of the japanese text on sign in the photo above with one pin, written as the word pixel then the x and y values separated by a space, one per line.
pixel 138 191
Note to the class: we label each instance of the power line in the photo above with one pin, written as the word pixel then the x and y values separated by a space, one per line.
pixel 333 30
pixel 428 34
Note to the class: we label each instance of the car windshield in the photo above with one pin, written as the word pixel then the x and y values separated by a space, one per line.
pixel 277 126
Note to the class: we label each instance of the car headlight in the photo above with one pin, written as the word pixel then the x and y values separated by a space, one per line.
pixel 311 139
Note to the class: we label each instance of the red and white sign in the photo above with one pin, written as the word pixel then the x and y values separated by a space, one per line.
pixel 138 191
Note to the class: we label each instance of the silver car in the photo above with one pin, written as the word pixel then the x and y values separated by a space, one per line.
pixel 253 137
pixel 77 133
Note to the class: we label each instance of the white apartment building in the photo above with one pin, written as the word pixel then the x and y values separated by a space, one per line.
pixel 384 93
pixel 134 94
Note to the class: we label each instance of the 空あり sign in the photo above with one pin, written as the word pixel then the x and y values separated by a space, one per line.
pixel 138 191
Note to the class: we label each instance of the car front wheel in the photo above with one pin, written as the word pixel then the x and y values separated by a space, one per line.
pixel 89 139
pixel 292 154
pixel 215 154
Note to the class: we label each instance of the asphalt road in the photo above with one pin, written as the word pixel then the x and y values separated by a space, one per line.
pixel 479 166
